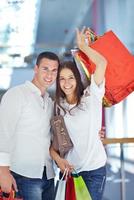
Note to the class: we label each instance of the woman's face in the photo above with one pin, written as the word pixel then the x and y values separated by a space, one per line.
pixel 67 82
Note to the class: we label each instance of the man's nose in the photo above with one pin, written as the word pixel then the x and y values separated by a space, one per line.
pixel 49 73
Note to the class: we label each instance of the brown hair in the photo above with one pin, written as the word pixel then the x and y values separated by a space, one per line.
pixel 48 55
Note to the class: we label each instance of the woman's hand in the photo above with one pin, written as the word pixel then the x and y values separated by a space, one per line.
pixel 81 39
pixel 61 162
pixel 64 164
pixel 94 56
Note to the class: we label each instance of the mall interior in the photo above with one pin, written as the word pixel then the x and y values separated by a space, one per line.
pixel 28 27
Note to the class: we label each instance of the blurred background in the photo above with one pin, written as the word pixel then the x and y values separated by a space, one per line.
pixel 28 27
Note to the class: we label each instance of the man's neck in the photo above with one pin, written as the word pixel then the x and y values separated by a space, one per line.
pixel 42 89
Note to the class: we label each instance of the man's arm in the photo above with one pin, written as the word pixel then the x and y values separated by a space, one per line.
pixel 10 109
pixel 102 133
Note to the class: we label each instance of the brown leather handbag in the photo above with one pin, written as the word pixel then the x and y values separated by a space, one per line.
pixel 61 141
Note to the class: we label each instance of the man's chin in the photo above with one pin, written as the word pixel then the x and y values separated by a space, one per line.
pixel 47 85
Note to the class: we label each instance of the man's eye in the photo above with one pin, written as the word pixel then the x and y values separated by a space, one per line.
pixel 45 68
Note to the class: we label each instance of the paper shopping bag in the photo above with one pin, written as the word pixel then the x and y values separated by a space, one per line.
pixel 120 68
pixel 81 190
pixel 4 196
pixel 11 196
pixel 60 193
pixel 61 187
pixel 70 190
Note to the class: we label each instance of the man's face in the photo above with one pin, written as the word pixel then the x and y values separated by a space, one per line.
pixel 46 72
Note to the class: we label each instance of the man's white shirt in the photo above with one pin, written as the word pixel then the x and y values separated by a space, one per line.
pixel 25 131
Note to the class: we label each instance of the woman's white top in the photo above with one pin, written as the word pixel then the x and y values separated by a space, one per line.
pixel 84 124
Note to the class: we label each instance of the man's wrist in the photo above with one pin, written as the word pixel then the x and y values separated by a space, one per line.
pixel 3 169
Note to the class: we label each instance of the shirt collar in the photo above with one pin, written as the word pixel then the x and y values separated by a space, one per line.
pixel 35 89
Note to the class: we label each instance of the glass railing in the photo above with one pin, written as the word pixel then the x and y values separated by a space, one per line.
pixel 120 169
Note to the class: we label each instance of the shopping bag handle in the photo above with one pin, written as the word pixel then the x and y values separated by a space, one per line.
pixel 75 173
pixel 65 174
pixel 8 196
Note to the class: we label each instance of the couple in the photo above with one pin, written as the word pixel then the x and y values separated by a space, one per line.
pixel 25 113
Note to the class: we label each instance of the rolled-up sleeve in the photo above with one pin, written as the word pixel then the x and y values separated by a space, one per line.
pixel 10 110
pixel 96 90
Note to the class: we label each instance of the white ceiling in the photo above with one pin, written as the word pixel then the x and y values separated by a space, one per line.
pixel 58 20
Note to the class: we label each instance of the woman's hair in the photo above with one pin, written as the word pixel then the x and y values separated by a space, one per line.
pixel 71 65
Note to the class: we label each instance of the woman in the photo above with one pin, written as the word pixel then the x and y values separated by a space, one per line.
pixel 82 111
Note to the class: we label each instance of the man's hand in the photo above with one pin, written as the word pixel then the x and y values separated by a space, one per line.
pixel 7 182
pixel 102 133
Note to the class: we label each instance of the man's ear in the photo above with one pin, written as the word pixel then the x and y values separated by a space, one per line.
pixel 36 69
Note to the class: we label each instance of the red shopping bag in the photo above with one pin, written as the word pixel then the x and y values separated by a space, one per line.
pixel 70 190
pixel 120 68
pixel 10 197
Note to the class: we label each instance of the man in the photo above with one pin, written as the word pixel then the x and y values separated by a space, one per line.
pixel 25 113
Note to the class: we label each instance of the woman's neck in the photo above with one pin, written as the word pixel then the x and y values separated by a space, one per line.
pixel 71 100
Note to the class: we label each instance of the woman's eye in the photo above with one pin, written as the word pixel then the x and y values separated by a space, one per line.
pixel 55 71
pixel 61 79
pixel 71 77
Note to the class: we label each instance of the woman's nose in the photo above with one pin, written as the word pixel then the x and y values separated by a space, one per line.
pixel 67 82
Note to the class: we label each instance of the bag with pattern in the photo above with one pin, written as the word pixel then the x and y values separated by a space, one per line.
pixel 61 140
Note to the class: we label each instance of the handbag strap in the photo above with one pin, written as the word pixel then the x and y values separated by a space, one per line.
pixel 56 109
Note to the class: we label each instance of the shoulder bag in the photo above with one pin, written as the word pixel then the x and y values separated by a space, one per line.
pixel 61 141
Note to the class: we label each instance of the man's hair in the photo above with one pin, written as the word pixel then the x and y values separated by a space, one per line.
pixel 48 55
